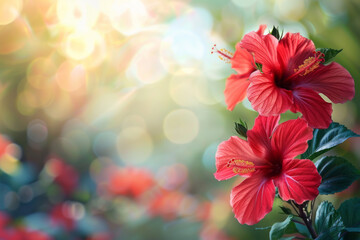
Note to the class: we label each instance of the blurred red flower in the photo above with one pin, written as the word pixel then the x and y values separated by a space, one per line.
pixel 267 160
pixel 60 215
pixel 18 233
pixel 212 232
pixel 166 204
pixel 4 143
pixel 64 175
pixel 100 236
pixel 129 181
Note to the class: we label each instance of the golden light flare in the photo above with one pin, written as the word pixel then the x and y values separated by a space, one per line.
pixel 128 16
pixel 9 10
pixel 71 76
pixel 79 45
pixel 40 72
pixel 13 36
pixel 146 66
pixel 9 164
pixel 30 98
pixel 60 110
pixel 99 52
pixel 77 14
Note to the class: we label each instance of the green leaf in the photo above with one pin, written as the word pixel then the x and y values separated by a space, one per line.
pixel 357 230
pixel 325 139
pixel 302 229
pixel 241 128
pixel 286 210
pixel 328 222
pixel 280 228
pixel 329 53
pixel 337 174
pixel 275 32
pixel 259 66
pixel 349 211
pixel 263 228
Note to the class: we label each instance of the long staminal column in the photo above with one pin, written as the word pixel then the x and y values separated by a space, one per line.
pixel 224 54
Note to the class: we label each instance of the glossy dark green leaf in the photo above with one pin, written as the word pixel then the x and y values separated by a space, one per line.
pixel 280 228
pixel 286 210
pixel 302 229
pixel 275 32
pixel 355 230
pixel 329 54
pixel 241 128
pixel 350 213
pixel 328 222
pixel 325 139
pixel 337 174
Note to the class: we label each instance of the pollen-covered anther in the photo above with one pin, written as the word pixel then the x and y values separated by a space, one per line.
pixel 223 53
pixel 241 166
pixel 310 64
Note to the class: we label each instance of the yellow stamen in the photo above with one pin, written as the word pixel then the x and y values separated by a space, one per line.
pixel 241 166
pixel 309 65
pixel 224 54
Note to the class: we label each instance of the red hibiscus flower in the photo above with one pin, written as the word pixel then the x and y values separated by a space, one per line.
pixel 244 64
pixel 293 76
pixel 267 160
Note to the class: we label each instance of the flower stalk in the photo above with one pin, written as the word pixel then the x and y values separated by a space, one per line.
pixel 306 217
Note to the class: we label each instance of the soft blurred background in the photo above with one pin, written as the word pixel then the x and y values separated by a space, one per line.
pixel 112 110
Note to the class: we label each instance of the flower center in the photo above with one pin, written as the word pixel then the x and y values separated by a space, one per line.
pixel 309 65
pixel 224 54
pixel 241 166
pixel 276 169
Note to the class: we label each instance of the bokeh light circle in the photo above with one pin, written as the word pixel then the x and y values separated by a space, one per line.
pixel 128 17
pixel 13 36
pixel 79 14
pixel 71 76
pixel 134 145
pixel 181 126
pixel 146 66
pixel 80 45
pixel 9 10
pixel 293 10
pixel 37 131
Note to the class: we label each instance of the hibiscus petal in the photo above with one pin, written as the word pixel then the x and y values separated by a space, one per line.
pixel 252 199
pixel 314 109
pixel 290 138
pixel 259 135
pixel 292 51
pixel 261 29
pixel 265 97
pixel 233 149
pixel 299 181
pixel 243 62
pixel 235 90
pixel 333 80
pixel 262 46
